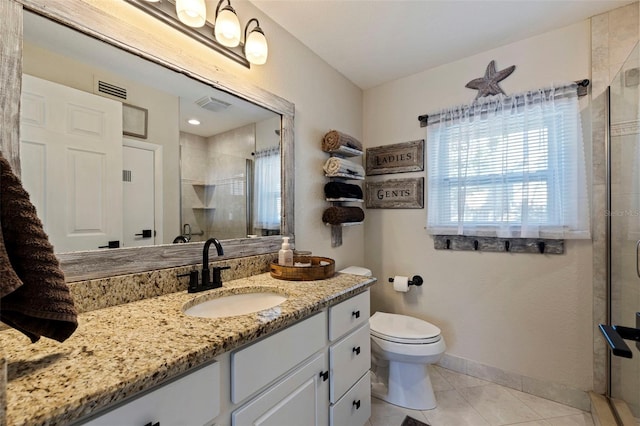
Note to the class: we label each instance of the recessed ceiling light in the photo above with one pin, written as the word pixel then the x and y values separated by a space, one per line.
pixel 193 122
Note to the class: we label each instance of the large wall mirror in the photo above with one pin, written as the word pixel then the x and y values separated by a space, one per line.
pixel 132 163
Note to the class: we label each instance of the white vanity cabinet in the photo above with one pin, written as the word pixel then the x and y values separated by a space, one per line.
pixel 193 399
pixel 349 362
pixel 329 385
pixel 312 373
pixel 297 397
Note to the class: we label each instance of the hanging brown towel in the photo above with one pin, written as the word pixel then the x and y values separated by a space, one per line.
pixel 337 215
pixel 42 305
pixel 334 139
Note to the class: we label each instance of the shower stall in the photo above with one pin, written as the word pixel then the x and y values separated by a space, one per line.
pixel 623 228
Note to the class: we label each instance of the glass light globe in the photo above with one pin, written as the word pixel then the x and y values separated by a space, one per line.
pixel 255 47
pixel 227 28
pixel 191 12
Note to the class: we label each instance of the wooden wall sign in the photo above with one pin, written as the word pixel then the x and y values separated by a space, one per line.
pixel 396 158
pixel 395 194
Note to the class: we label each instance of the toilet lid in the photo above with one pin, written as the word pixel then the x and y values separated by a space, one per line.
pixel 403 329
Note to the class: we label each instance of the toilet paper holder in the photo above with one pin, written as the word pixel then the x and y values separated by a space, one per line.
pixel 416 280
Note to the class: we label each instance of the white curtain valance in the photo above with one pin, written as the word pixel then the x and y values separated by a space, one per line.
pixel 509 167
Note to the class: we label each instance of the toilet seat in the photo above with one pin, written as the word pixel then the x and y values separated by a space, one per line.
pixel 403 329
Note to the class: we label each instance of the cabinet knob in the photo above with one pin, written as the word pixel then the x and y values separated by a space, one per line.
pixel 153 424
pixel 324 375
pixel 355 314
pixel 356 404
pixel 356 350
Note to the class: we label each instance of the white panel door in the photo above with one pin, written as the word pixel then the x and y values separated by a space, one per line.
pixel 71 150
pixel 138 191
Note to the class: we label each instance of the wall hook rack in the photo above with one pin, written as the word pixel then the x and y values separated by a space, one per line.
pixel 495 244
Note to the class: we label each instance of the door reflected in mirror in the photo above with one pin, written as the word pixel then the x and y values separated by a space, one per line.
pixel 164 180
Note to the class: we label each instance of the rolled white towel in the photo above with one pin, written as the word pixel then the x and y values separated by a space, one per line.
pixel 337 165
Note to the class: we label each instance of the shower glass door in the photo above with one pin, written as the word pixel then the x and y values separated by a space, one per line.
pixel 624 187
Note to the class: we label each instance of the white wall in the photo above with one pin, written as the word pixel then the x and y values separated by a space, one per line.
pixel 523 313
pixel 324 100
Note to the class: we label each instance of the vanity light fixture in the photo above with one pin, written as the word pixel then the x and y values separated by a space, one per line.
pixel 255 46
pixel 191 12
pixel 226 26
pixel 189 17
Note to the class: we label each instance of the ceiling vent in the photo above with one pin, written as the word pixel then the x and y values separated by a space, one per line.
pixel 212 104
pixel 112 90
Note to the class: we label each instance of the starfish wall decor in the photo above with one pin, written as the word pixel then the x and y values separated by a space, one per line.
pixel 488 85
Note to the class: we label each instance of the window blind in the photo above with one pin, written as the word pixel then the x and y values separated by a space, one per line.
pixel 509 167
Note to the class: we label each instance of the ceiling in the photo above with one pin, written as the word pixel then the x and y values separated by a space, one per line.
pixel 375 41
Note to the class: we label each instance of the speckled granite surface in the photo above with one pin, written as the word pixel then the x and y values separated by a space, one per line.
pixel 112 291
pixel 121 350
pixel 3 383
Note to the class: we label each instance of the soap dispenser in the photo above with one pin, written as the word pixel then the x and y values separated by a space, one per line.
pixel 285 255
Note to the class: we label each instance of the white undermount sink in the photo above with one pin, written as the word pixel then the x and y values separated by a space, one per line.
pixel 235 304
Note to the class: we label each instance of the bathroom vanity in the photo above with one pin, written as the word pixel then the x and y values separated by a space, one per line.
pixel 147 362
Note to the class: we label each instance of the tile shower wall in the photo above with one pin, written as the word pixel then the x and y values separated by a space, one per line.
pixel 214 182
pixel 613 37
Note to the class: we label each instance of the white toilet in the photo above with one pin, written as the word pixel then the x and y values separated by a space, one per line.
pixel 401 349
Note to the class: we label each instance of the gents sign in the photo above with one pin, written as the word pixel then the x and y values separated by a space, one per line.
pixel 395 194
pixel 396 158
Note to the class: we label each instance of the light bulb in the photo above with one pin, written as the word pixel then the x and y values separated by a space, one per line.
pixel 227 27
pixel 191 12
pixel 255 47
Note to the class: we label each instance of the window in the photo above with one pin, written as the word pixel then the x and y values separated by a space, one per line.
pixel 267 189
pixel 509 167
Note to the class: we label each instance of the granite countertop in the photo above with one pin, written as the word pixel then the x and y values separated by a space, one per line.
pixel 119 351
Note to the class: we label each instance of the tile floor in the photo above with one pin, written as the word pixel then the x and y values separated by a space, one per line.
pixel 467 401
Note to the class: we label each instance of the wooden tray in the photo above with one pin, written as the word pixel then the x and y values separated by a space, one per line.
pixel 305 273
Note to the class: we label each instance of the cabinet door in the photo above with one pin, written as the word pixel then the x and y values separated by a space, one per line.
pixel 299 399
pixel 193 399
pixel 261 363
pixel 349 359
pixel 354 408
pixel 347 315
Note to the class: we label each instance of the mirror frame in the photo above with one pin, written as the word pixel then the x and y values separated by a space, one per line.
pixel 141 41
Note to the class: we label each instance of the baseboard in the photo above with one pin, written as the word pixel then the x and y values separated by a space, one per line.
pixel 624 413
pixel 549 390
pixel 601 411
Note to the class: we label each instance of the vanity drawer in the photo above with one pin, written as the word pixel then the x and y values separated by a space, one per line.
pixel 354 408
pixel 349 359
pixel 259 364
pixel 191 399
pixel 347 315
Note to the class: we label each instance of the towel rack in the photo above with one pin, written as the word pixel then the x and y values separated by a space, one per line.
pixel 336 230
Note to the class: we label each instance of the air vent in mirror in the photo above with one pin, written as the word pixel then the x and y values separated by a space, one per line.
pixel 112 90
pixel 212 104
